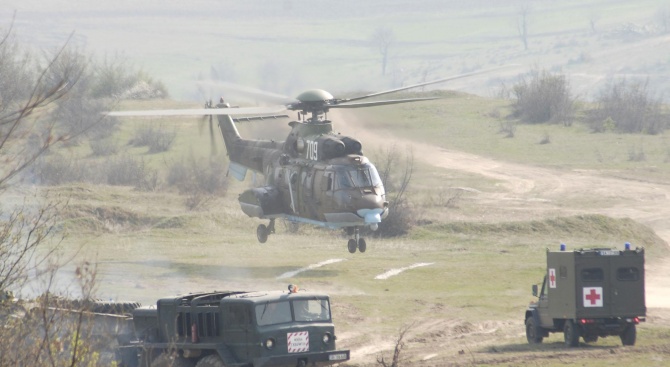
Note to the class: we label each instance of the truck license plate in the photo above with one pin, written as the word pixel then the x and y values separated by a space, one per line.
pixel 337 357
pixel 609 252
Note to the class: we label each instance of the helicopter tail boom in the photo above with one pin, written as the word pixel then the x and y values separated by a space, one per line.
pixel 246 154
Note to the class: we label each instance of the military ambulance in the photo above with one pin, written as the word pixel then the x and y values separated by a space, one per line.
pixel 589 293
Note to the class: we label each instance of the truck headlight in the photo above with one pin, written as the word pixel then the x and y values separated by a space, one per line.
pixel 326 338
pixel 270 343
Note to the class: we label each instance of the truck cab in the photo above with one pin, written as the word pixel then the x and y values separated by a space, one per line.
pixel 271 328
pixel 589 293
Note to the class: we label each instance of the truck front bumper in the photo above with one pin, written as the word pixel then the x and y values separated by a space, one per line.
pixel 303 359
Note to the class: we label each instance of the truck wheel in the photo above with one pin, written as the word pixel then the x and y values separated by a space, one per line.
pixel 165 360
pixel 532 333
pixel 628 335
pixel 571 333
pixel 211 360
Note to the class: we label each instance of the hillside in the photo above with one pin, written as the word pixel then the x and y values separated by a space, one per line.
pixel 291 45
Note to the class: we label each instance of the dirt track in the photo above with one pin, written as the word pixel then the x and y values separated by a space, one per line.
pixel 528 192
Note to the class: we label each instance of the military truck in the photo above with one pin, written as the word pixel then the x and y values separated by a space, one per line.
pixel 589 293
pixel 230 328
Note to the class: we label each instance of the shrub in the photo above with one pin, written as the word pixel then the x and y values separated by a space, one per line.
pixel 156 138
pixel 198 179
pixel 119 171
pixel 104 147
pixel 627 107
pixel 543 97
pixel 396 174
pixel 129 171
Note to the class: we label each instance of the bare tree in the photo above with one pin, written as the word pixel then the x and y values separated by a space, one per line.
pixel 396 359
pixel 382 39
pixel 396 173
pixel 19 120
pixel 628 107
pixel 29 233
pixel 23 138
pixel 523 13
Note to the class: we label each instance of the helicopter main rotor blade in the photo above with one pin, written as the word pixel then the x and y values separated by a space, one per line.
pixel 250 93
pixel 381 103
pixel 425 83
pixel 203 112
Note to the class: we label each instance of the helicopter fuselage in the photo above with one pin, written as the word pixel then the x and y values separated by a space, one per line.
pixel 314 177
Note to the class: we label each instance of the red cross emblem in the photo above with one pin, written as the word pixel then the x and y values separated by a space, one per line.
pixel 593 297
pixel 552 278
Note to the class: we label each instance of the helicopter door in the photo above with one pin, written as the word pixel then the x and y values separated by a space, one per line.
pixel 307 195
pixel 293 185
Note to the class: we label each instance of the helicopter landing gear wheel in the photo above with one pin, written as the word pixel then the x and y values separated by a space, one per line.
pixel 263 231
pixel 356 242
pixel 362 246
pixel 352 246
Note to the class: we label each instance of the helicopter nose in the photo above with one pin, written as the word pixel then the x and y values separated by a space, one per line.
pixel 368 201
pixel 372 216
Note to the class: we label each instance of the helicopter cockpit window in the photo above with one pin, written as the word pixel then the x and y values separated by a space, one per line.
pixel 366 176
pixel 361 176
pixel 343 180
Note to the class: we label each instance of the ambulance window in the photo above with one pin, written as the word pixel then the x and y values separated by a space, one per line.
pixel 592 275
pixel 628 274
pixel 563 272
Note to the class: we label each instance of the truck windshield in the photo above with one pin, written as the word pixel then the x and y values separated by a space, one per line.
pixel 365 175
pixel 304 310
pixel 311 310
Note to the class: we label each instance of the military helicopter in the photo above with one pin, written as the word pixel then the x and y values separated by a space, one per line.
pixel 315 176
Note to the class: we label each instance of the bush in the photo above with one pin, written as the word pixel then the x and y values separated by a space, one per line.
pixel 119 171
pixel 156 138
pixel 543 97
pixel 129 171
pixel 628 108
pixel 198 179
pixel 396 176
pixel 104 147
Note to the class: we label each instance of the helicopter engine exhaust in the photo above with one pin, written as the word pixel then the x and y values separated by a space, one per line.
pixel 332 147
pixel 352 146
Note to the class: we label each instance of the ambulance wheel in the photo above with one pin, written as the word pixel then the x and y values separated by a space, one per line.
pixel 262 233
pixel 628 335
pixel 362 246
pixel 351 245
pixel 571 333
pixel 532 333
